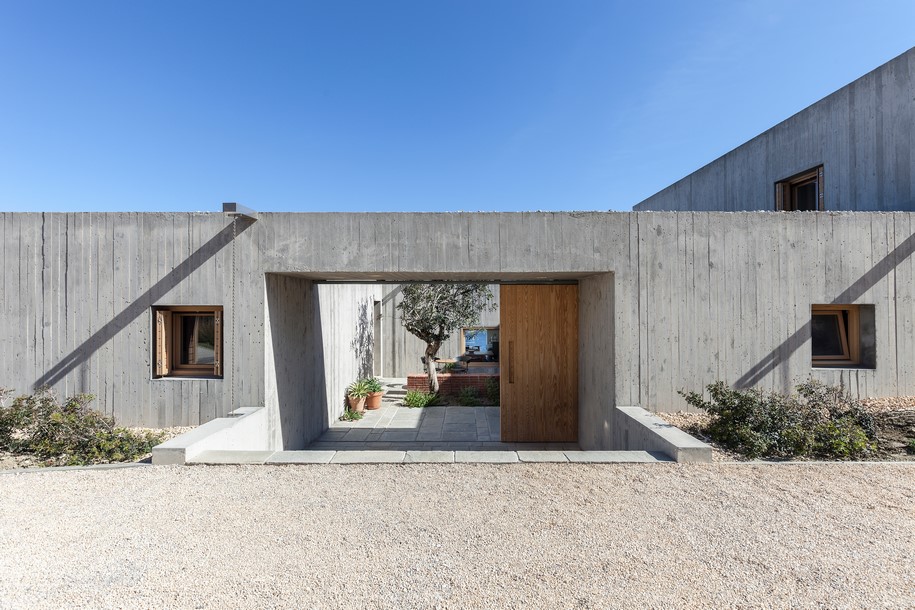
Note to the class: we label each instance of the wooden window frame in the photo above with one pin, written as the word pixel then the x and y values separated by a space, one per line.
pixel 785 190
pixel 167 341
pixel 850 335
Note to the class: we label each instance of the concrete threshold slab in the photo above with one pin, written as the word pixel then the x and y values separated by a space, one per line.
pixel 611 457
pixel 231 457
pixel 542 456
pixel 429 457
pixel 368 457
pixel 301 457
pixel 485 457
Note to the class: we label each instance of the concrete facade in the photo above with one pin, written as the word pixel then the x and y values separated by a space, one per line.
pixel 668 301
pixel 863 135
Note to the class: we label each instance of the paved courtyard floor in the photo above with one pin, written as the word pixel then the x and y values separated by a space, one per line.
pixel 428 428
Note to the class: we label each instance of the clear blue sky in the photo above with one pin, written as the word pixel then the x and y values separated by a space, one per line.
pixel 437 105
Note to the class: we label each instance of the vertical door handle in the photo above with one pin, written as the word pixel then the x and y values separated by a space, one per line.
pixel 511 362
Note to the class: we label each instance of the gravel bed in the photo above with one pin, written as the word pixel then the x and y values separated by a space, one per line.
pixel 890 403
pixel 461 536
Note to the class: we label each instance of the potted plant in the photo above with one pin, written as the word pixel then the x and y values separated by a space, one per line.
pixel 356 394
pixel 376 391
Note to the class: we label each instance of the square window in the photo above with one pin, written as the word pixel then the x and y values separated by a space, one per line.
pixel 480 343
pixel 835 335
pixel 801 193
pixel 188 341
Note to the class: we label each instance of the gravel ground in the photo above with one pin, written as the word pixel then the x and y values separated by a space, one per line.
pixel 458 536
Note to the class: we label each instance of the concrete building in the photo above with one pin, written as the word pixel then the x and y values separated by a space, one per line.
pixel 852 150
pixel 180 318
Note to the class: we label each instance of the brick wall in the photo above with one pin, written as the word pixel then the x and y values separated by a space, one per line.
pixel 451 383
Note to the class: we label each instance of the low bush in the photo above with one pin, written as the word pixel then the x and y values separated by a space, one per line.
pixel 418 400
pixel 492 391
pixel 349 415
pixel 467 397
pixel 910 447
pixel 817 421
pixel 68 433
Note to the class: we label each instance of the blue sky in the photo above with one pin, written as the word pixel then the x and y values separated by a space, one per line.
pixel 405 106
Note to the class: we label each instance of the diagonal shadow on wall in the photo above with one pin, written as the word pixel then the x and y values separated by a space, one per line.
pixel 141 304
pixel 867 281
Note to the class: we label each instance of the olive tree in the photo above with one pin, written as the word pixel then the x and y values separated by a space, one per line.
pixel 433 312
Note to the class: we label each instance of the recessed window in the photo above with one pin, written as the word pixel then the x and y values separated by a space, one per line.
pixel 481 343
pixel 842 335
pixel 188 341
pixel 801 193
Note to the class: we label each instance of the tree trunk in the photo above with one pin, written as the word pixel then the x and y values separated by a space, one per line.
pixel 431 351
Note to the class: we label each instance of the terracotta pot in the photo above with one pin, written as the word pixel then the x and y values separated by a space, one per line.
pixel 356 404
pixel 373 401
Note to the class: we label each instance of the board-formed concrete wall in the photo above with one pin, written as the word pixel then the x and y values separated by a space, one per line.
pixel 697 297
pixel 318 340
pixel 863 135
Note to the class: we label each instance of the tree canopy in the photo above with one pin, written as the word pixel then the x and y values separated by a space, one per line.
pixel 433 312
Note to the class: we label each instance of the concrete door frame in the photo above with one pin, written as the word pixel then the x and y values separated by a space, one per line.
pixel 291 358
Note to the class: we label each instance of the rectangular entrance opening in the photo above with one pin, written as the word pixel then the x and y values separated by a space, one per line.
pixel 513 378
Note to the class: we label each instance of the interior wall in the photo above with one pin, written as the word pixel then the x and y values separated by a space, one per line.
pixel 345 312
pixel 318 341
pixel 596 361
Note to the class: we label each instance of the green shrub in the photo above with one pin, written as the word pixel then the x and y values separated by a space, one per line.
pixel 817 421
pixel 349 415
pixel 418 400
pixel 911 446
pixel 467 397
pixel 374 385
pixel 492 391
pixel 359 388
pixel 68 433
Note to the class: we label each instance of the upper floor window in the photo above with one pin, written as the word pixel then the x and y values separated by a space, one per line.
pixel 800 193
pixel 188 341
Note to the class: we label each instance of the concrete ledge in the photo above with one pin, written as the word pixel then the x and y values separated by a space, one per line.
pixel 485 457
pixel 368 457
pixel 301 457
pixel 637 429
pixel 245 432
pixel 429 457
pixel 216 456
pixel 542 456
pixel 614 457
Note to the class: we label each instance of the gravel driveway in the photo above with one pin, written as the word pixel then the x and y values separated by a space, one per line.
pixel 457 536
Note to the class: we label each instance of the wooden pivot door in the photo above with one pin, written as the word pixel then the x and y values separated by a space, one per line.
pixel 538 333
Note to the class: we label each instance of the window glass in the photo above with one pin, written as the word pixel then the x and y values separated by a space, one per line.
pixel 198 339
pixel 475 340
pixel 826 335
pixel 805 196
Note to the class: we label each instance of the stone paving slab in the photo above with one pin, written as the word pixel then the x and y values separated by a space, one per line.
pixel 357 434
pixel 301 457
pixel 231 457
pixel 429 457
pixel 485 457
pixel 542 456
pixel 607 457
pixel 368 457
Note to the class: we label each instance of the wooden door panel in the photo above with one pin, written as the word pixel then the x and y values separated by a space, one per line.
pixel 539 363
